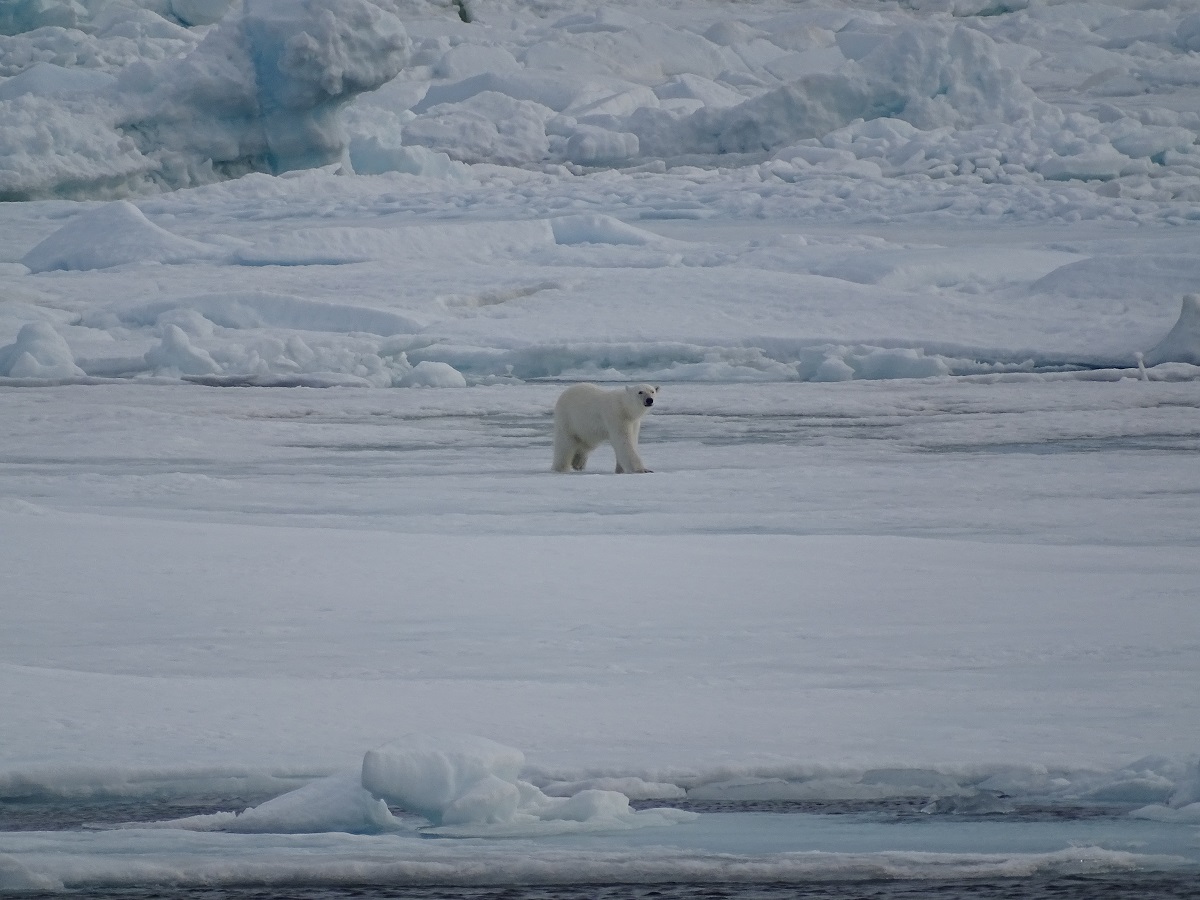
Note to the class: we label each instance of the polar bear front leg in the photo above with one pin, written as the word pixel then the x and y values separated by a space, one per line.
pixel 624 443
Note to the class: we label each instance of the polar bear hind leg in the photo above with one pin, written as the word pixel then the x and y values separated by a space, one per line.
pixel 566 450
pixel 570 450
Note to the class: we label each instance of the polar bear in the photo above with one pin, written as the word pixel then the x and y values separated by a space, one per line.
pixel 586 416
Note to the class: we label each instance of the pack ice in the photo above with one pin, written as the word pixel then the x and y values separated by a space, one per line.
pixel 539 186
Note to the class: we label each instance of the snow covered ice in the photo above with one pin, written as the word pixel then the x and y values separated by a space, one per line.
pixel 288 289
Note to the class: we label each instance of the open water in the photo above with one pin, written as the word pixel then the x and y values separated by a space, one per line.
pixel 1076 887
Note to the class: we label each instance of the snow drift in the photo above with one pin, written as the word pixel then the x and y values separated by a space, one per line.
pixel 113 235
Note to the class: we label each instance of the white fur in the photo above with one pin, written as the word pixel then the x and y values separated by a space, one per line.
pixel 586 416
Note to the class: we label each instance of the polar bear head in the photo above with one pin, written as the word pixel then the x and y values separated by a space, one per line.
pixel 640 397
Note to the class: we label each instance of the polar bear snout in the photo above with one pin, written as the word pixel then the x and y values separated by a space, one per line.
pixel 649 401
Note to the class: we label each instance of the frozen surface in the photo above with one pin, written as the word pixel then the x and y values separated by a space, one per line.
pixel 288 289
pixel 986 573
pixel 712 850
pixel 971 598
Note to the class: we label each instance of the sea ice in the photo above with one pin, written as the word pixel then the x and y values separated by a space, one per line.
pixel 922 530
pixel 470 785
pixel 462 784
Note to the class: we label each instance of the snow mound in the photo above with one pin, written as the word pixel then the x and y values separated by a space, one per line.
pixel 470 786
pixel 432 374
pixel 1182 343
pixel 1118 275
pixel 38 352
pixel 115 234
pixel 176 354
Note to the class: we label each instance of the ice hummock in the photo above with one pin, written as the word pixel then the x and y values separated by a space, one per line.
pixel 471 786
pixel 462 784
pixel 447 781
